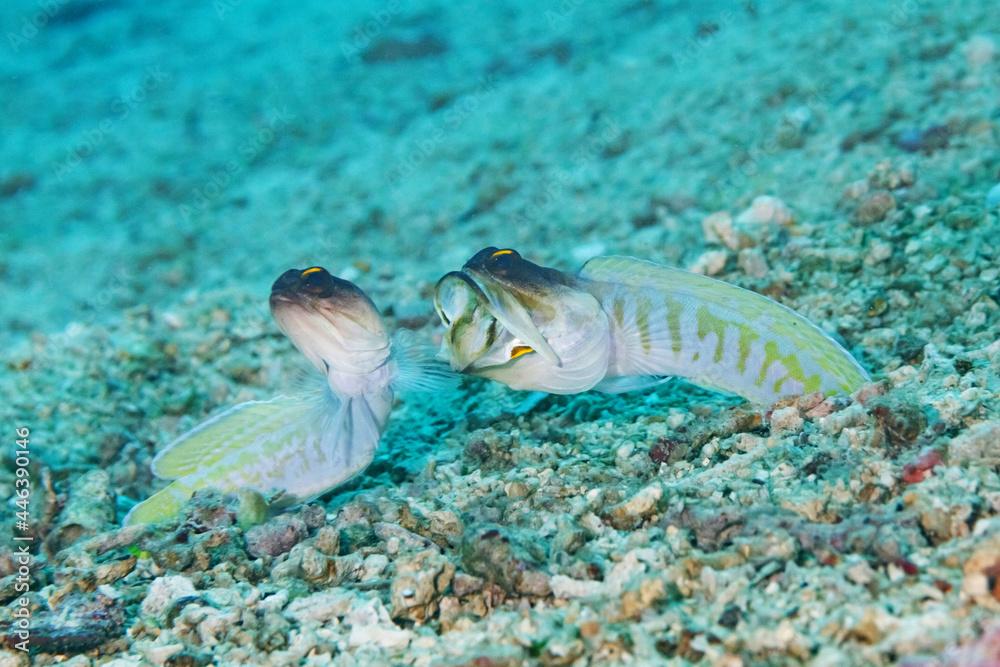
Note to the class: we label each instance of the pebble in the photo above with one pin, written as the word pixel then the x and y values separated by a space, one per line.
pixel 374 565
pixel 752 262
pixel 312 565
pixel 878 252
pixel 861 573
pixel 465 584
pixel 421 580
pixel 934 264
pixel 855 415
pixel 567 588
pixel 927 140
pixel 710 262
pixel 903 375
pixel 979 51
pixel 379 635
pixel 981 584
pixel 275 537
pixel 504 557
pixel 15 659
pixel 163 592
pixel 322 607
pixel 887 176
pixel 874 207
pixel 980 445
pixel 370 624
pixel 172 320
pixel 766 209
pixel 89 509
pixel 631 513
pixel 718 228
pixel 158 655
pixel 786 419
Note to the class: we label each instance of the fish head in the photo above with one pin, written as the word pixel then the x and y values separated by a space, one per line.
pixel 525 325
pixel 330 320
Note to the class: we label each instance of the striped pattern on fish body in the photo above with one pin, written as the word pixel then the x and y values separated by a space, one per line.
pixel 301 446
pixel 286 443
pixel 296 447
pixel 667 321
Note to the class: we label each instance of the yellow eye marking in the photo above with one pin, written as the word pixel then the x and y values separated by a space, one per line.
pixel 519 351
pixel 502 252
pixel 312 270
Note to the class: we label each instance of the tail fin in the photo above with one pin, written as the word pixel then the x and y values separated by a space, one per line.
pixel 163 505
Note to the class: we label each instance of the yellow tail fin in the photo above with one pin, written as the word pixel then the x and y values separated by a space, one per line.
pixel 163 505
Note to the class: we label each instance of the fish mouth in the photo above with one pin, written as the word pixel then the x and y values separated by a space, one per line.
pixel 457 299
pixel 512 292
pixel 512 289
pixel 461 280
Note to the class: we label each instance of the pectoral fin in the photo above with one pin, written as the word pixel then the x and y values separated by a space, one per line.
pixel 418 368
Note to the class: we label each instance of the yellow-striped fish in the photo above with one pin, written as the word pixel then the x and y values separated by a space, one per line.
pixel 295 448
pixel 622 323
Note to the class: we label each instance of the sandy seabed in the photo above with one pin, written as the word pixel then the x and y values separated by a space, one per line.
pixel 163 164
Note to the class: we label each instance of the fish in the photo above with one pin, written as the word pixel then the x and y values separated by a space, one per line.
pixel 294 448
pixel 622 324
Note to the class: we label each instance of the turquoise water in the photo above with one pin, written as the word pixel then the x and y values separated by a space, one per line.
pixel 162 164
pixel 142 141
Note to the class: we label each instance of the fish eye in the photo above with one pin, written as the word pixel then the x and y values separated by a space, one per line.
pixel 519 351
pixel 315 279
pixel 504 254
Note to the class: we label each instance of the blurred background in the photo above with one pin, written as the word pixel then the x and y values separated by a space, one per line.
pixel 161 163
pixel 155 150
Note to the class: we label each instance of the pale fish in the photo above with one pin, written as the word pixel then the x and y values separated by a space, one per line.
pixel 294 448
pixel 621 323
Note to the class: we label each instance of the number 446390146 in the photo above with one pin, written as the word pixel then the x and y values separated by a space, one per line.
pixel 22 473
